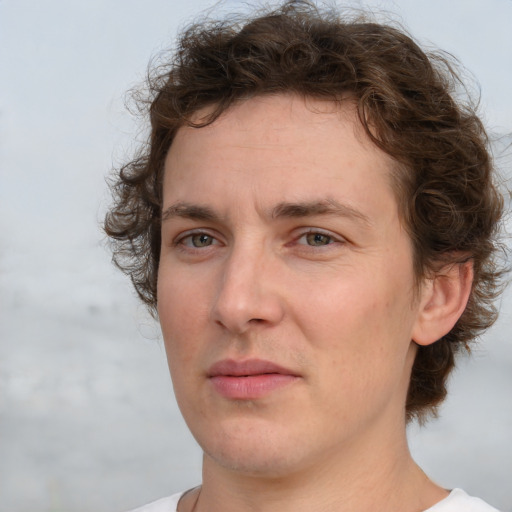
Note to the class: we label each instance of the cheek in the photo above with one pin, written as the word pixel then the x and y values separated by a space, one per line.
pixel 352 309
pixel 362 325
pixel 181 298
pixel 179 324
pixel 181 314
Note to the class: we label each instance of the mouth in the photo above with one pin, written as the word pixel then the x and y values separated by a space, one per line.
pixel 250 379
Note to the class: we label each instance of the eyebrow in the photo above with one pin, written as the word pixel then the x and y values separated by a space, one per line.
pixel 281 210
pixel 323 207
pixel 189 211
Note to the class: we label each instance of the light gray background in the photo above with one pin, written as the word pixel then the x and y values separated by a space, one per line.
pixel 87 417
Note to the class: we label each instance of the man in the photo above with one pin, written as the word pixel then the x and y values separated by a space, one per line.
pixel 314 224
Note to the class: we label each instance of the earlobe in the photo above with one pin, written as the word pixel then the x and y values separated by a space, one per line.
pixel 443 300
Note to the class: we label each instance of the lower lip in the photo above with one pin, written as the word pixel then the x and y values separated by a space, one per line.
pixel 250 387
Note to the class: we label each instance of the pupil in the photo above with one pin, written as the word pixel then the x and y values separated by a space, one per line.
pixel 318 239
pixel 202 240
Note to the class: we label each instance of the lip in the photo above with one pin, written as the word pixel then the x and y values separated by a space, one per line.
pixel 249 379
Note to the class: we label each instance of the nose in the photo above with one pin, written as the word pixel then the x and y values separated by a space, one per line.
pixel 248 294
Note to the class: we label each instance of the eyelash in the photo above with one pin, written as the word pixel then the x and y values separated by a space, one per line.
pixel 186 241
pixel 317 233
pixel 182 240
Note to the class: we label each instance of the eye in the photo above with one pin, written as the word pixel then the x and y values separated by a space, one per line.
pixel 317 239
pixel 197 240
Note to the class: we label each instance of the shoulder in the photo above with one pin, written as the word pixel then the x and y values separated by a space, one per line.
pixel 459 501
pixel 168 504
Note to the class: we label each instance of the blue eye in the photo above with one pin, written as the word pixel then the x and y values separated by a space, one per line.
pixel 317 239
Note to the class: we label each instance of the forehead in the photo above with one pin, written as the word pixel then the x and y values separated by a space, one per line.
pixel 280 148
pixel 280 121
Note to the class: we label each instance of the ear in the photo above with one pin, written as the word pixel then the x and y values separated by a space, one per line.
pixel 442 302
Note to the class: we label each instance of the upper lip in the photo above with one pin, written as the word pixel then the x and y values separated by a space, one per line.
pixel 230 367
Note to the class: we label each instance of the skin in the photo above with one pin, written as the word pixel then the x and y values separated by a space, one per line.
pixel 281 241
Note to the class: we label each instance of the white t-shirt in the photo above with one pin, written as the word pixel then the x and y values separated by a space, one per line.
pixel 457 501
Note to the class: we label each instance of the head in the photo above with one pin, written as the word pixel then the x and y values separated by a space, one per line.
pixel 406 104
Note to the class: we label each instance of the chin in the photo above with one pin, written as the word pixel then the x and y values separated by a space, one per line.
pixel 255 462
pixel 253 450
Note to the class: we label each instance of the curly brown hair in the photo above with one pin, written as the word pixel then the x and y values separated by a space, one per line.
pixel 407 103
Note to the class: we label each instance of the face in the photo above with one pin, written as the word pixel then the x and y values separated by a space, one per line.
pixel 285 286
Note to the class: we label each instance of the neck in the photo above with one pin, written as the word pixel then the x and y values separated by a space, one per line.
pixel 364 477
